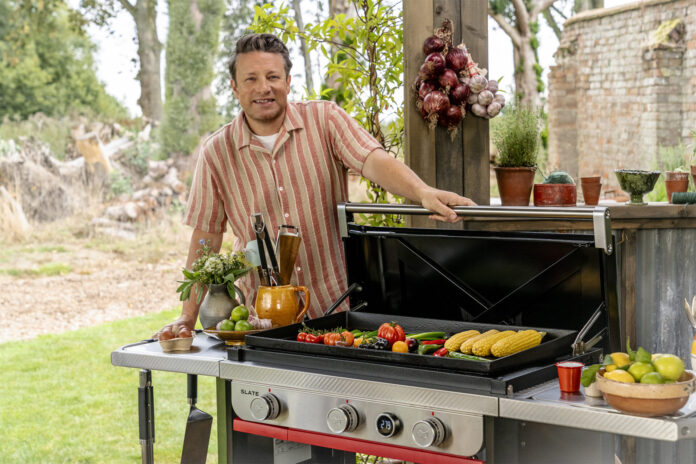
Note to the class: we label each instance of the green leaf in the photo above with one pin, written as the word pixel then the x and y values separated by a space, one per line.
pixel 642 355
pixel 631 353
pixel 589 375
pixel 607 360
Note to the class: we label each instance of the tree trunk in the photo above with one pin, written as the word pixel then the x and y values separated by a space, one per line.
pixel 309 82
pixel 525 76
pixel 144 14
pixel 583 5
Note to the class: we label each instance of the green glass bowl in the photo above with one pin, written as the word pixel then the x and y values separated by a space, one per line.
pixel 637 183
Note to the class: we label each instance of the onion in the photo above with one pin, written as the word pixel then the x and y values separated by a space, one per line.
pixel 433 44
pixel 433 66
pixel 436 102
pixel 500 99
pixel 452 116
pixel 493 109
pixel 425 88
pixel 459 94
pixel 464 80
pixel 448 79
pixel 472 98
pixel 456 59
pixel 492 85
pixel 485 98
pixel 478 83
pixel 479 110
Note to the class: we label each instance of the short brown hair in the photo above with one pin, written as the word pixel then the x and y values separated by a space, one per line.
pixel 268 43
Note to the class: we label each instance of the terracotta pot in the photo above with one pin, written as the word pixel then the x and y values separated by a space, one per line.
pixel 515 185
pixel 590 190
pixel 555 195
pixel 676 181
pixel 693 173
pixel 591 179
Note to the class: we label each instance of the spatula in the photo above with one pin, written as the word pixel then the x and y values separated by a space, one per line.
pixel 198 426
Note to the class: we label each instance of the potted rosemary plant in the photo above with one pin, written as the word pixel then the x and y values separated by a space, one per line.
pixel 516 136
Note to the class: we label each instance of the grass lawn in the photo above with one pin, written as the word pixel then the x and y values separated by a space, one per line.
pixel 61 400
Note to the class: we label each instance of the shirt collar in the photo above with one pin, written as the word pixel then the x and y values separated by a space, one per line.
pixel 243 134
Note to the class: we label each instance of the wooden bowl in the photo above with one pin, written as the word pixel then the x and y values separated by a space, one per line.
pixel 177 344
pixel 230 337
pixel 647 399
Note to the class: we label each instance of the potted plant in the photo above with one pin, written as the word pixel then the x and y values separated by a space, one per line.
pixel 516 136
pixel 558 189
pixel 217 272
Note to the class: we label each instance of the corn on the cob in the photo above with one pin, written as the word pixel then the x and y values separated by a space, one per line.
pixel 521 341
pixel 483 347
pixel 455 341
pixel 466 346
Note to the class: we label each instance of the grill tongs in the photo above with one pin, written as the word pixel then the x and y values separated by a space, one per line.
pixel 580 346
pixel 267 276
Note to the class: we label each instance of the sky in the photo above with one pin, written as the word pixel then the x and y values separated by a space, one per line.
pixel 117 54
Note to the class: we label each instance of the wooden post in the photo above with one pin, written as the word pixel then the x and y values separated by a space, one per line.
pixel 460 164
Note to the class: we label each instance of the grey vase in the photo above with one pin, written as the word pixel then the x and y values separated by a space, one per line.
pixel 217 305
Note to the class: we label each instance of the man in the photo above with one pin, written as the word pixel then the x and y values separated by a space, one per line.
pixel 289 160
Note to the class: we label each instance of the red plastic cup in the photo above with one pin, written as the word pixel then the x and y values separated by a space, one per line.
pixel 569 373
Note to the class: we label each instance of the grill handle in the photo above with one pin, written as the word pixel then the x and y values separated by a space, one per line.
pixel 599 215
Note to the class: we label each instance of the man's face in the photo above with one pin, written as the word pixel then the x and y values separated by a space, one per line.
pixel 262 88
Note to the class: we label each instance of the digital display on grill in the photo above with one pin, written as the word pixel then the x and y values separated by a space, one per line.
pixel 387 424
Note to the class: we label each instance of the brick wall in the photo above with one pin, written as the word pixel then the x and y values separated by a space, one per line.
pixel 615 95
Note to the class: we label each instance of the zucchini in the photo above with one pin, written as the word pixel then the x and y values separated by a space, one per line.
pixel 427 336
pixel 458 355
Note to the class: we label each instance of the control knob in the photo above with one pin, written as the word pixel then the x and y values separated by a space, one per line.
pixel 265 407
pixel 342 419
pixel 428 432
pixel 388 424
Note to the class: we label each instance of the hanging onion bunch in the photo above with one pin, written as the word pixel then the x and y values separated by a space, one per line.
pixel 449 81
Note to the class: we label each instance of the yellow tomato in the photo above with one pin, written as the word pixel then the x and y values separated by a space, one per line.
pixel 400 347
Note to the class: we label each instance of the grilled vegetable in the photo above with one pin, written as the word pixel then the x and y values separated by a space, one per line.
pixel 441 352
pixel 427 336
pixel 455 341
pixel 400 347
pixel 392 332
pixel 483 347
pixel 521 341
pixel 456 355
pixel 412 345
pixel 434 342
pixel 427 349
pixel 469 343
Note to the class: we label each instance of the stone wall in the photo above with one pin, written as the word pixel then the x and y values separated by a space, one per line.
pixel 618 91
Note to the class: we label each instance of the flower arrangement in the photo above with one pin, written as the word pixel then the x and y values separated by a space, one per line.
pixel 213 268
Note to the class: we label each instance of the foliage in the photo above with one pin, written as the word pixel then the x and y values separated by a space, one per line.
pixel 516 136
pixel 675 158
pixel 119 184
pixel 51 428
pixel 138 155
pixel 54 132
pixel 213 268
pixel 46 63
pixel 365 55
pixel 189 110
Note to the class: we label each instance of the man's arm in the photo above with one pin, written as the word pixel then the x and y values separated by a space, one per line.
pixel 397 178
pixel 189 311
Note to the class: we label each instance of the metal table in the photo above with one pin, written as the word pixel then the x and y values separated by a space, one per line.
pixel 542 407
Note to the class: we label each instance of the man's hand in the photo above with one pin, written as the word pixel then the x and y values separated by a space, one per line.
pixel 439 201
pixel 172 329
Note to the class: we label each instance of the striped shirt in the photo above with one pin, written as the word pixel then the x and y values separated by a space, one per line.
pixel 299 182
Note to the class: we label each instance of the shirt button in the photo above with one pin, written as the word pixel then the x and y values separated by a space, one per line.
pixel 280 188
pixel 287 215
pixel 274 161
pixel 299 268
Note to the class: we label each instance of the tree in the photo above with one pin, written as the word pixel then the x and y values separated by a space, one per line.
pixel 192 42
pixel 144 13
pixel 368 68
pixel 46 62
pixel 579 5
pixel 519 20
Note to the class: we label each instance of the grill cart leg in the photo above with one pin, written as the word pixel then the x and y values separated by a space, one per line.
pixel 146 416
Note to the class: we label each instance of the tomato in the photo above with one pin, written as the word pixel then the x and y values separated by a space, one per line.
pixel 392 332
pixel 321 338
pixel 400 347
pixel 331 338
pixel 347 337
pixel 302 337
pixel 311 338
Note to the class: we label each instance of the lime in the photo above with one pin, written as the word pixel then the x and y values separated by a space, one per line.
pixel 227 325
pixel 240 313
pixel 669 366
pixel 652 377
pixel 620 376
pixel 639 369
pixel 243 325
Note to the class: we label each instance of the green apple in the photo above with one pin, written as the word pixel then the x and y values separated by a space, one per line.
pixel 239 313
pixel 227 325
pixel 669 366
pixel 243 325
pixel 639 369
pixel 652 377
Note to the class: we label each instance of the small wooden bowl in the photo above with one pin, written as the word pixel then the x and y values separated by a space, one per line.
pixel 644 399
pixel 177 344
pixel 230 337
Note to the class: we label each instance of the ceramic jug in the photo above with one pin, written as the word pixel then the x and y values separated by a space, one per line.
pixel 217 305
pixel 280 304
